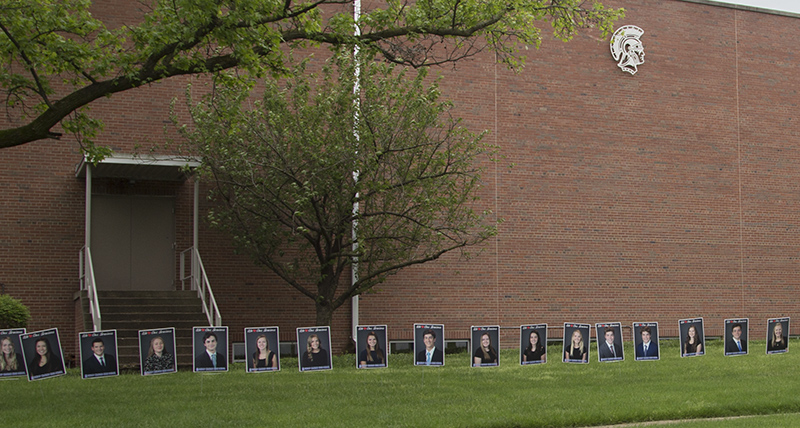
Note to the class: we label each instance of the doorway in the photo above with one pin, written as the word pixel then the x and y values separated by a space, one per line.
pixel 133 242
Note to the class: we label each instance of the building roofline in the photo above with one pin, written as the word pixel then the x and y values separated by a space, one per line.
pixel 745 8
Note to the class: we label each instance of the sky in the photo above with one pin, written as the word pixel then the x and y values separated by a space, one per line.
pixel 783 5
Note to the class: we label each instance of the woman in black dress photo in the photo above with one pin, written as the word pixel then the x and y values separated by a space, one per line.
pixel 372 355
pixel 693 344
pixel 314 356
pixel 575 349
pixel 263 358
pixel 535 352
pixel 777 341
pixel 485 354
pixel 45 360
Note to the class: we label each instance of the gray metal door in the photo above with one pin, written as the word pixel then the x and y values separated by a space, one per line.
pixel 133 242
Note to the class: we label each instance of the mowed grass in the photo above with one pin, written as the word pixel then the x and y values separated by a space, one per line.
pixel 550 395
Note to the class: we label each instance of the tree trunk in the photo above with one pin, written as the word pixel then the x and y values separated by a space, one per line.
pixel 324 312
pixel 325 302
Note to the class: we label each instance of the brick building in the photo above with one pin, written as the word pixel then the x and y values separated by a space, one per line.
pixel 668 194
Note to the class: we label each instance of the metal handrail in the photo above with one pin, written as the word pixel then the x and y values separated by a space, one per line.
pixel 88 284
pixel 198 281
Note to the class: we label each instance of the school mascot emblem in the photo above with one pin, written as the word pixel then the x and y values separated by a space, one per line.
pixel 627 49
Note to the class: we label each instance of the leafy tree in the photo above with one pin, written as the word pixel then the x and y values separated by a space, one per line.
pixel 57 58
pixel 282 172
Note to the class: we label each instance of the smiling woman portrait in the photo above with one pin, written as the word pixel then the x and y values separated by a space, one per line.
pixel 45 361
pixel 158 358
pixel 693 344
pixel 372 355
pixel 10 361
pixel 777 340
pixel 535 351
pixel 315 355
pixel 575 349
pixel 263 357
pixel 485 354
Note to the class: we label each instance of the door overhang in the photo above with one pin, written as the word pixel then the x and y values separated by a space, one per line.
pixel 134 167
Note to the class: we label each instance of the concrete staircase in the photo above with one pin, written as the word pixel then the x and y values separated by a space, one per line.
pixel 131 311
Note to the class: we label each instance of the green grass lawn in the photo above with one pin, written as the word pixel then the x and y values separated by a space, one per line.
pixel 549 395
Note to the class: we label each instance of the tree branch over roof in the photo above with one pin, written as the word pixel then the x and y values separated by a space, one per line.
pixel 61 41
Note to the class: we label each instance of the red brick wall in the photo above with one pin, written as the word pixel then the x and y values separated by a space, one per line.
pixel 659 196
pixel 665 195
pixel 41 233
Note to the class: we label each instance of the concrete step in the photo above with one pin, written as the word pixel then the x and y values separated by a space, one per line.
pixel 132 328
pixel 147 294
pixel 147 316
pixel 163 306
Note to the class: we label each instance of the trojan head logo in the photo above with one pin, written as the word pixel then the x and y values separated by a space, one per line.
pixel 627 49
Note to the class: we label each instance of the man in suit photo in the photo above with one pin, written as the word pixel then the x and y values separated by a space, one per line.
pixel 608 349
pixel 647 349
pixel 430 355
pixel 99 362
pixel 735 344
pixel 210 359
